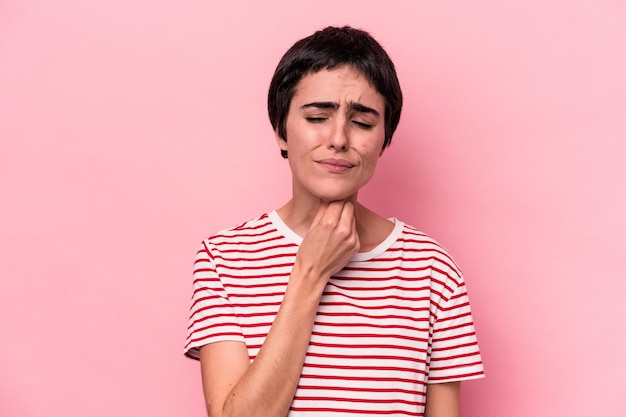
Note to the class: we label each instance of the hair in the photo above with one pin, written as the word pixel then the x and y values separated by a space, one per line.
pixel 327 49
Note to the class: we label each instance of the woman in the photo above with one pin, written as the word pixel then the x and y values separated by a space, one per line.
pixel 323 307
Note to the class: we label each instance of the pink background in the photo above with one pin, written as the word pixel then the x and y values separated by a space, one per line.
pixel 131 129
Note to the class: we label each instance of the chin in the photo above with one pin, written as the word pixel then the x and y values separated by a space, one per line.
pixel 337 196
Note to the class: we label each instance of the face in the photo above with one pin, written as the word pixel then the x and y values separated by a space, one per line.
pixel 335 133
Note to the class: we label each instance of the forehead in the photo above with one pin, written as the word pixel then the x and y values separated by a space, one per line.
pixel 340 85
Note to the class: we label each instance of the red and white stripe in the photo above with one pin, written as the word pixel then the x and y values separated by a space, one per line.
pixel 393 320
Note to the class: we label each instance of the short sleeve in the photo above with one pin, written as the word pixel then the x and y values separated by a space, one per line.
pixel 455 355
pixel 211 317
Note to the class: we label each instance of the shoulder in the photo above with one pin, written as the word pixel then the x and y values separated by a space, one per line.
pixel 247 227
pixel 414 240
pixel 249 232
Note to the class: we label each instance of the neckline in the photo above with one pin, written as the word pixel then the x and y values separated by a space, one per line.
pixel 358 257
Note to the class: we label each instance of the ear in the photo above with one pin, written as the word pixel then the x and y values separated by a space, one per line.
pixel 282 143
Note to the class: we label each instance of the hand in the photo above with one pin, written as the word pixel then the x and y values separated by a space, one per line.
pixel 331 240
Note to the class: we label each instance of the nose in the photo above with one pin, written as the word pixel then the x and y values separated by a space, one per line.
pixel 338 139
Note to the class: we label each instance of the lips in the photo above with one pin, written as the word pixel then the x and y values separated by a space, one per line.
pixel 337 162
pixel 336 166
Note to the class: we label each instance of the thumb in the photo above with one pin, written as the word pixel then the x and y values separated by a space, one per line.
pixel 320 213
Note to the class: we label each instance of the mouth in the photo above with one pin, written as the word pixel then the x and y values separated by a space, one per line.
pixel 336 162
pixel 336 165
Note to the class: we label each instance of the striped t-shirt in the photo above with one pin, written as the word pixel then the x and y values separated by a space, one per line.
pixel 391 321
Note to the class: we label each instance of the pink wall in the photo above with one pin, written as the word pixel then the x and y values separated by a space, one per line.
pixel 131 129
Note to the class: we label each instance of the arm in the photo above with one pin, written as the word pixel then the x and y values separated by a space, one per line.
pixel 442 400
pixel 233 386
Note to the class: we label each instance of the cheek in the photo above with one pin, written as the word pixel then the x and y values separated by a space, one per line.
pixel 300 137
pixel 371 163
pixel 371 156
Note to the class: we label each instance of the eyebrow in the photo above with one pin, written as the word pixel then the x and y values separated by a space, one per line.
pixel 361 108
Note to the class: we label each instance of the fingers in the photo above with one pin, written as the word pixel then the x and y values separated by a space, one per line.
pixel 318 216
pixel 338 211
pixel 339 216
pixel 348 219
pixel 331 241
pixel 331 213
pixel 347 213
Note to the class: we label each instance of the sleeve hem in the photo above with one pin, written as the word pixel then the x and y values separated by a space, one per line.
pixel 444 379
pixel 192 351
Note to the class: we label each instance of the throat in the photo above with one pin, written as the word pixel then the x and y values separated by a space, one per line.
pixel 372 228
pixel 374 232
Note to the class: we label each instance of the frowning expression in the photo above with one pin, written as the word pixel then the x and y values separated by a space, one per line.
pixel 335 133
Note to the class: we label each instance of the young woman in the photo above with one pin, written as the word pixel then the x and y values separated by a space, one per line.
pixel 322 307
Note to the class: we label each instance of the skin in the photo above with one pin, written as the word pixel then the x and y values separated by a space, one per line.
pixel 442 400
pixel 335 133
pixel 334 115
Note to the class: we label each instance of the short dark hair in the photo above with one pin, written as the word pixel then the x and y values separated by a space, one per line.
pixel 327 49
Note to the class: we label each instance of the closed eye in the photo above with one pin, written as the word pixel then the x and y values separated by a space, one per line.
pixel 315 119
pixel 362 125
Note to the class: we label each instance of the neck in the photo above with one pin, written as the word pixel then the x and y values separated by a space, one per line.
pixel 371 228
pixel 298 213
